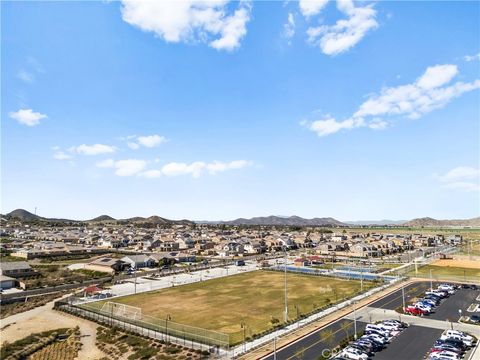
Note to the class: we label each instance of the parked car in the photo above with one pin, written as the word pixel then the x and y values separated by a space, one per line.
pixel 444 355
pixel 475 319
pixel 354 354
pixel 412 310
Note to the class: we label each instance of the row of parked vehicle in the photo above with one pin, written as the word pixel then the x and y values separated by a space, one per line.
pixel 375 338
pixel 432 299
pixel 452 345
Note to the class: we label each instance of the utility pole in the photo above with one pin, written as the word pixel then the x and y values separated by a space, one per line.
pixel 135 281
pixel 275 347
pixel 354 322
pixel 286 293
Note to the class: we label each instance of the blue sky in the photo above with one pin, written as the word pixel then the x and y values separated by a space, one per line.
pixel 215 111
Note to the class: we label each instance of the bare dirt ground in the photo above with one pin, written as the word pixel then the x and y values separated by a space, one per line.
pixel 464 263
pixel 44 318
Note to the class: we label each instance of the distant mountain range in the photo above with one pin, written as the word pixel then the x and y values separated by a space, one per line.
pixel 24 215
pixel 285 221
pixel 429 222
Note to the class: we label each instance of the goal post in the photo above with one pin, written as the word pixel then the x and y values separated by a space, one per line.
pixel 111 308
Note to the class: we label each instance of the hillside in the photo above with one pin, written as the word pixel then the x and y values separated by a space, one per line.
pixel 102 218
pixel 430 222
pixel 285 221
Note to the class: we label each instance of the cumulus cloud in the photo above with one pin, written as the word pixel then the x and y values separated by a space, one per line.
pixel 211 22
pixel 95 149
pixel 346 33
pixel 472 57
pixel 27 117
pixel 195 169
pixel 289 27
pixel 311 7
pixel 413 100
pixel 134 142
pixel 330 126
pixel 428 92
pixel 461 178
pixel 126 167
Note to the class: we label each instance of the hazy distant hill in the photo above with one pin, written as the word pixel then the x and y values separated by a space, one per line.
pixel 25 216
pixel 285 221
pixel 376 222
pixel 429 222
pixel 102 218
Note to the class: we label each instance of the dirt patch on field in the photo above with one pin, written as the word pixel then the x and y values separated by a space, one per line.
pixel 469 264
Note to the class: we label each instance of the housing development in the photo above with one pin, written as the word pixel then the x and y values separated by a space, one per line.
pixel 239 179
pixel 193 290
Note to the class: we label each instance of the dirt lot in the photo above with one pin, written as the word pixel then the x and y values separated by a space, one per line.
pixel 462 263
pixel 44 318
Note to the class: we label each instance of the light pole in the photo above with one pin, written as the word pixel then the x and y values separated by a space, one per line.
pixel 286 291
pixel 403 296
pixel 135 281
pixel 168 317
pixel 275 347
pixel 354 322
pixel 431 283
pixel 243 326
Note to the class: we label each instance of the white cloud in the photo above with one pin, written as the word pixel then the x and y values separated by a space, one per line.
pixel 129 167
pixel 429 92
pixel 209 22
pixel 25 76
pixel 461 178
pixel 377 124
pixel 95 149
pixel 197 168
pixel 27 117
pixel 421 97
pixel 289 27
pixel 472 57
pixel 346 33
pixel 133 146
pixel 436 76
pixel 310 8
pixel 60 155
pixel 330 125
pixel 151 141
pixel 175 169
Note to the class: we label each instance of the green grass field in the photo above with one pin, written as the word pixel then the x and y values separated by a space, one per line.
pixel 254 298
pixel 447 272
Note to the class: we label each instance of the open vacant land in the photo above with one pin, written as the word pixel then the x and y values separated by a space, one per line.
pixel 447 272
pixel 254 298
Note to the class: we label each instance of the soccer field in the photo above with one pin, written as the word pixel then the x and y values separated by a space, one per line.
pixel 254 298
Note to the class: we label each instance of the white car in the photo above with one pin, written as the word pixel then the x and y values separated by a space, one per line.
pixel 392 329
pixel 377 338
pixel 423 307
pixel 448 289
pixel 467 339
pixel 456 337
pixel 444 355
pixel 354 354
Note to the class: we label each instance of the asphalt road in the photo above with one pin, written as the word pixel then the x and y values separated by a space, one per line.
pixel 312 346
pixel 412 344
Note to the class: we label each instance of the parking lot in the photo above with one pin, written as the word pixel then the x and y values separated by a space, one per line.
pixel 412 344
